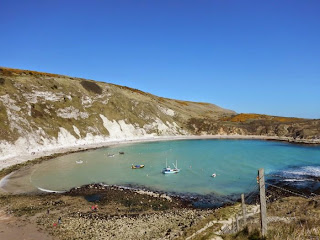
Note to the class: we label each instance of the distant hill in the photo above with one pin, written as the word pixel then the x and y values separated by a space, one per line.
pixel 40 111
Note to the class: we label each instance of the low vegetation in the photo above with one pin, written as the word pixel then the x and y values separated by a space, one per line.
pixel 91 86
pixel 132 90
pixel 245 117
pixel 288 218
pixel 12 71
pixel 293 128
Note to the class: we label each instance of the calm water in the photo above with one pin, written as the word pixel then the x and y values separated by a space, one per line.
pixel 234 161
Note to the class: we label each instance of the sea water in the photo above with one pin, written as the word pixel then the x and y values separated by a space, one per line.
pixel 235 163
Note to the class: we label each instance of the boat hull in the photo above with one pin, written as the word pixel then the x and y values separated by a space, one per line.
pixel 137 166
pixel 165 171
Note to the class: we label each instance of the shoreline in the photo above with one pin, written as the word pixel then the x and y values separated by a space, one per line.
pixel 49 154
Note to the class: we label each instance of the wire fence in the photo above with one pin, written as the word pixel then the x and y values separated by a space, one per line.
pixel 240 221
pixel 289 218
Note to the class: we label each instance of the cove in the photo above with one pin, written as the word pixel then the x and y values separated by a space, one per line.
pixel 235 163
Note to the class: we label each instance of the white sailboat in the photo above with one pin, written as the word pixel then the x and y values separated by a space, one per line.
pixel 168 169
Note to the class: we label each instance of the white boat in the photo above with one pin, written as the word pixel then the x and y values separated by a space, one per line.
pixel 168 169
pixel 110 155
pixel 79 161
pixel 213 175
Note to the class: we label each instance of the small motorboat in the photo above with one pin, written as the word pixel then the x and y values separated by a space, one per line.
pixel 137 166
pixel 110 155
pixel 171 170
pixel 213 175
pixel 121 152
pixel 79 161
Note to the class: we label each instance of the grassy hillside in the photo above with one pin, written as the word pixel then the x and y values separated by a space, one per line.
pixel 38 109
pixel 41 103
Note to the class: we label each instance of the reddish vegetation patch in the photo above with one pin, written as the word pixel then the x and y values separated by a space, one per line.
pixel 243 117
pixel 203 103
pixel 183 103
pixel 161 99
pixel 284 119
pixel 133 90
pixel 12 71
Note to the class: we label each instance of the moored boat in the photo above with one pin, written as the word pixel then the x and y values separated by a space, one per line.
pixel 137 166
pixel 168 169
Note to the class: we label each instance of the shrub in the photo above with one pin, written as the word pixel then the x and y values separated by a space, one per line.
pixel 91 86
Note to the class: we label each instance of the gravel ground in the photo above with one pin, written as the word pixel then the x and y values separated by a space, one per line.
pixel 121 214
pixel 161 225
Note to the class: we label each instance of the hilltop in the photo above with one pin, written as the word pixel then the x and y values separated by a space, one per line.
pixel 43 111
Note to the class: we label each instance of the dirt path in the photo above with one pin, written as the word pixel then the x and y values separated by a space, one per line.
pixel 20 229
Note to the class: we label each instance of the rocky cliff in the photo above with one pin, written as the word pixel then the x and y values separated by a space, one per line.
pixel 41 111
pixel 293 129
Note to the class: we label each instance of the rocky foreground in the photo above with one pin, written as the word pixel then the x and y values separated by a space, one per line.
pixel 109 212
pixel 119 213
pixel 163 225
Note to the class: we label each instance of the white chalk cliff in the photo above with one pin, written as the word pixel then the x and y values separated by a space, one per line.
pixel 40 112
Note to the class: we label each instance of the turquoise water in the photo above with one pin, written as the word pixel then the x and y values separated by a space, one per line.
pixel 234 161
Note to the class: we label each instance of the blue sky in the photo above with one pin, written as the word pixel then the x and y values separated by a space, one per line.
pixel 248 56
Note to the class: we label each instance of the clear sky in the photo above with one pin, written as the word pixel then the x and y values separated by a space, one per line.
pixel 248 56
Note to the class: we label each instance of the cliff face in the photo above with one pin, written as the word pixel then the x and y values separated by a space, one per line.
pixel 296 130
pixel 41 111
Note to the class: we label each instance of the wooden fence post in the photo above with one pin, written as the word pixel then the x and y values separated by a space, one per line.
pixel 237 223
pixel 263 205
pixel 233 225
pixel 244 211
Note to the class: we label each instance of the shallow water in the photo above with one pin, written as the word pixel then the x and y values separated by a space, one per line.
pixel 234 161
